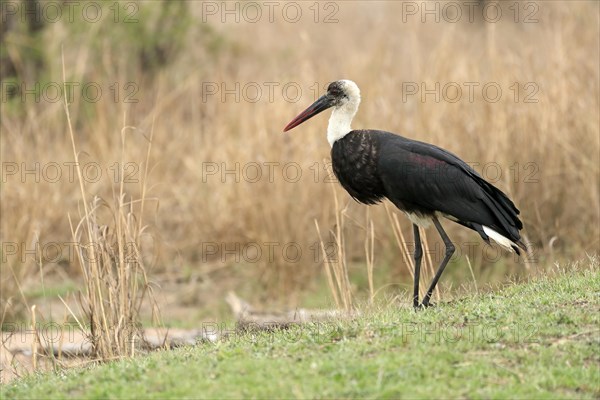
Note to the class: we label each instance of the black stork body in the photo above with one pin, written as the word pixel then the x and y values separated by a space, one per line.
pixel 423 180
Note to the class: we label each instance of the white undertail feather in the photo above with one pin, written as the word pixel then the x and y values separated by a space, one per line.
pixel 498 238
pixel 419 220
pixel 342 115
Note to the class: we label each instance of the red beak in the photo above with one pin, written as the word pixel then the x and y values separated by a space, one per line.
pixel 322 104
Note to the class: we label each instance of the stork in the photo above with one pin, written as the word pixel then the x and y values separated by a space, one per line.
pixel 424 181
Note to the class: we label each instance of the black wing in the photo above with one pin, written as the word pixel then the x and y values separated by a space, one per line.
pixel 423 178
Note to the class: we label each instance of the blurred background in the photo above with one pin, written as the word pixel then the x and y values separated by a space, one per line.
pixel 230 202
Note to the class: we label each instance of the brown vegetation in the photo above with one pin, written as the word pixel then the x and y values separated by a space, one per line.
pixel 196 213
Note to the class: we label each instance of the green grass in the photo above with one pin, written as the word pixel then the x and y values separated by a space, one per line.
pixel 51 291
pixel 537 339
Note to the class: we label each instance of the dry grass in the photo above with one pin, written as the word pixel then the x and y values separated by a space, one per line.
pixel 547 151
pixel 336 267
pixel 108 241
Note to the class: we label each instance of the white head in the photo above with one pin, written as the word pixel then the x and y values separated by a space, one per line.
pixel 344 97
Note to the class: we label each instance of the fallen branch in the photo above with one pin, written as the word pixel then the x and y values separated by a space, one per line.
pixel 248 317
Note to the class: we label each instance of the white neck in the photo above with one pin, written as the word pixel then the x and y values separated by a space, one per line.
pixel 340 120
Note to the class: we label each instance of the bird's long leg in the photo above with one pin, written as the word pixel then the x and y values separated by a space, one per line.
pixel 449 251
pixel 418 256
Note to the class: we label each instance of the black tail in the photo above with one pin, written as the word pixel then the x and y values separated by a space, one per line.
pixel 507 215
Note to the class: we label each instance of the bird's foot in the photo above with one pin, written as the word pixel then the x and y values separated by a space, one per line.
pixel 423 306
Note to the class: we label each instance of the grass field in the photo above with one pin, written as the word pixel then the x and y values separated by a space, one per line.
pixel 537 339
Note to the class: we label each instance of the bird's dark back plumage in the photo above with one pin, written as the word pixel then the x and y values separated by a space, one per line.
pixel 423 179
